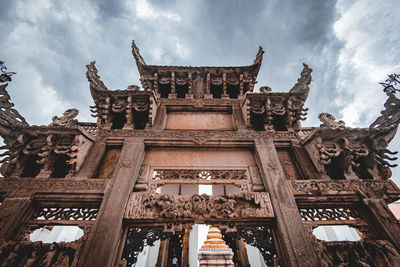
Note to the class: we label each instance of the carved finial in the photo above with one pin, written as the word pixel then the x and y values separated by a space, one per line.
pixel 67 119
pixel 259 56
pixel 94 78
pixel 138 58
pixel 329 121
pixel 301 89
pixel 390 117
pixel 265 89
pixel 9 117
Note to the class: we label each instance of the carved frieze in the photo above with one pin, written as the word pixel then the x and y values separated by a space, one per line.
pixel 185 174
pixel 326 187
pixel 201 137
pixel 37 253
pixel 25 187
pixel 198 207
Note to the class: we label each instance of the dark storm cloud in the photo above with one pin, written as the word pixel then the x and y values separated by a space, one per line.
pixel 49 43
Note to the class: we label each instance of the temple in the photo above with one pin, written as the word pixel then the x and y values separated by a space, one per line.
pixel 190 148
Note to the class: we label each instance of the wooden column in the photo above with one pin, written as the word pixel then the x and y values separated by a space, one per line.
pixel 102 244
pixel 293 238
pixel 185 248
pixel 93 159
pixel 12 212
pixel 383 220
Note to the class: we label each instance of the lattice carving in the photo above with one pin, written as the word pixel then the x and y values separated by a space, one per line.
pixel 185 174
pixel 328 214
pixel 259 236
pixel 71 214
pixel 243 205
pixel 137 238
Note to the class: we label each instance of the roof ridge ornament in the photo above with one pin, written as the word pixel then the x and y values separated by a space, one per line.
pixel 259 56
pixel 301 89
pixel 390 117
pixel 138 58
pixel 67 119
pixel 329 121
pixel 96 84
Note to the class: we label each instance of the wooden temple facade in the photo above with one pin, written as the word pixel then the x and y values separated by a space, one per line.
pixel 132 178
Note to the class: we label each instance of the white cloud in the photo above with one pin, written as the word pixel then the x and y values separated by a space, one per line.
pixel 144 10
pixel 367 28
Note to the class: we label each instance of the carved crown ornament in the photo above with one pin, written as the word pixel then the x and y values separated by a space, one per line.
pixel 278 111
pixel 197 82
pixel 120 109
pixel 37 151
pixel 343 152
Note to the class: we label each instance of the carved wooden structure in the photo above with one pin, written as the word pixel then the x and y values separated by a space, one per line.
pixel 191 126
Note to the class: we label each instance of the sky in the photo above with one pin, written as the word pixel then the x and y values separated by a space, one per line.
pixel 351 45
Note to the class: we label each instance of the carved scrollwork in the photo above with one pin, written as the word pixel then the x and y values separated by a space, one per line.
pixel 74 214
pixel 243 205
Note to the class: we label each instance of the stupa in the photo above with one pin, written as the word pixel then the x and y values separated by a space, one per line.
pixel 215 252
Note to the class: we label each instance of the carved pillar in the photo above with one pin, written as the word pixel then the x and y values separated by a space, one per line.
pixel 208 94
pixel 128 114
pixel 155 84
pixel 173 91
pixel 190 86
pixel 224 87
pixel 12 212
pixel 102 244
pixel 241 85
pixel 384 222
pixel 294 240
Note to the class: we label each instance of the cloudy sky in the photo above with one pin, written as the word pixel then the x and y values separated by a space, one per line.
pixel 350 45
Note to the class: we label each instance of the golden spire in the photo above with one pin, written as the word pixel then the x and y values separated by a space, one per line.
pixel 214 240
